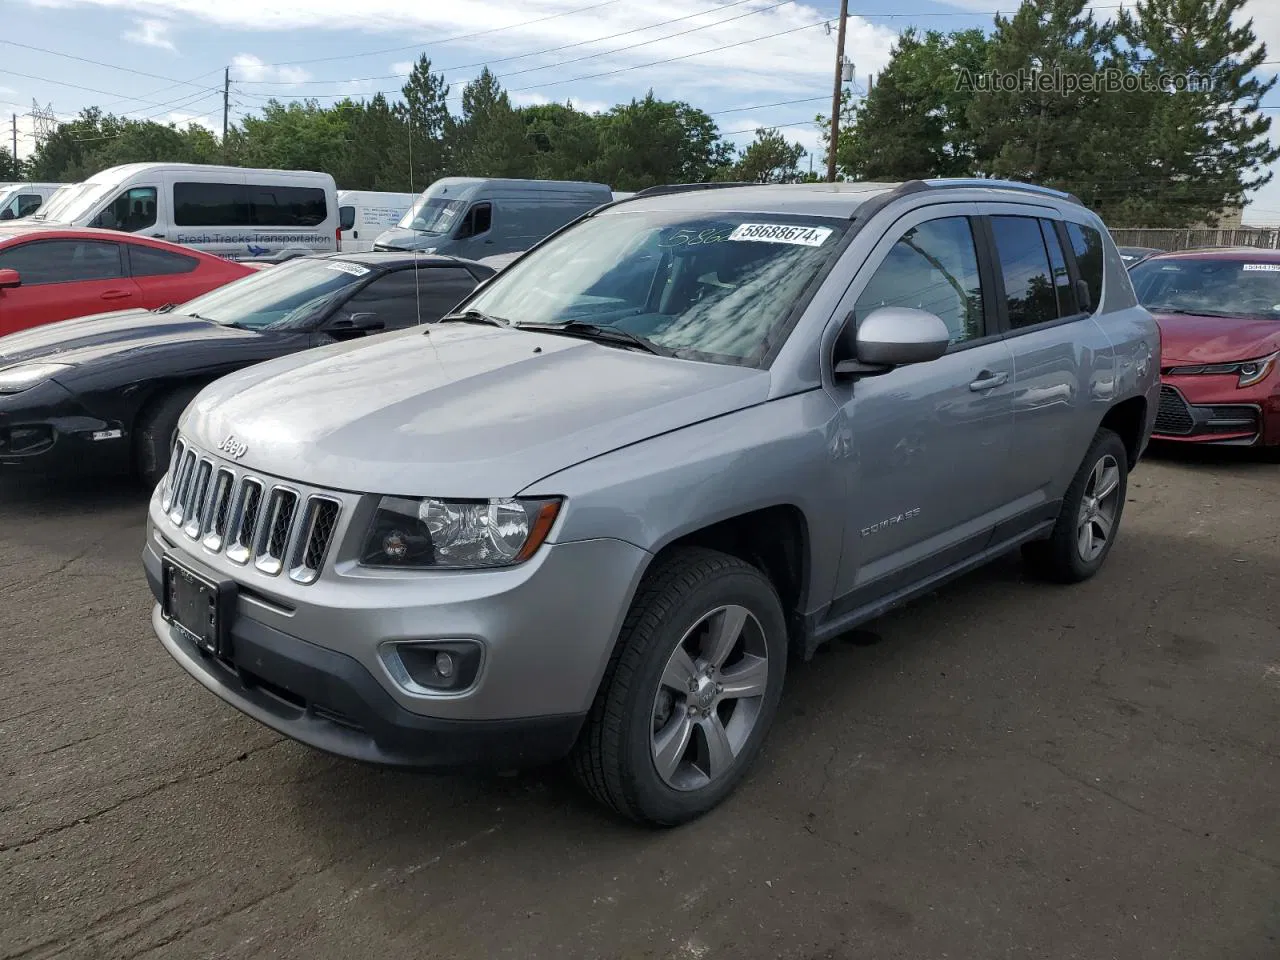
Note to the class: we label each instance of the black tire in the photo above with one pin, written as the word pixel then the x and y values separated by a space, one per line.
pixel 156 430
pixel 1059 558
pixel 612 757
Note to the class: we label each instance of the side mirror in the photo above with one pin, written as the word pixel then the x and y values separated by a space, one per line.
pixel 10 279
pixel 6 214
pixel 1083 298
pixel 892 337
pixel 355 325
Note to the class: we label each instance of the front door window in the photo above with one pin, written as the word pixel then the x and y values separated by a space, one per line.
pixel 131 211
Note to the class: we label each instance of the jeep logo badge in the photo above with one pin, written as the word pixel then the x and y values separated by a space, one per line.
pixel 233 447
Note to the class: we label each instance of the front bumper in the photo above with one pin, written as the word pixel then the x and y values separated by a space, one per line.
pixel 1212 410
pixel 47 431
pixel 310 660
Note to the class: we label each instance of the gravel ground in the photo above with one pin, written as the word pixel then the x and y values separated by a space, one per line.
pixel 1004 769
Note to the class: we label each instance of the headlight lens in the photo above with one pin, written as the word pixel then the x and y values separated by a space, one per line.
pixel 27 375
pixel 456 534
pixel 1249 372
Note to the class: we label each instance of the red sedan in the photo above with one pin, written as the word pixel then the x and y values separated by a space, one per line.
pixel 1219 316
pixel 49 274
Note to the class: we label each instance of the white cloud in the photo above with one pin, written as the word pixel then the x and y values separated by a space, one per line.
pixel 403 67
pixel 151 33
pixel 247 67
pixel 534 99
pixel 774 50
pixel 182 120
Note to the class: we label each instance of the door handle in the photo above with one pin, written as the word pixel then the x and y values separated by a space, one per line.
pixel 355 234
pixel 158 236
pixel 115 295
pixel 988 379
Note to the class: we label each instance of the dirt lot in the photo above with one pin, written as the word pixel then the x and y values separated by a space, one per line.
pixel 1005 769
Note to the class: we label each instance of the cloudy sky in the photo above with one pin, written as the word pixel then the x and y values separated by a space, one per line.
pixel 748 62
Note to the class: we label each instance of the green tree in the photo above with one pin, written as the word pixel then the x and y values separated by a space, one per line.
pixel 769 158
pixel 11 168
pixel 565 141
pixel 1201 148
pixel 914 121
pixel 650 141
pixel 492 139
pixel 430 126
pixel 1036 132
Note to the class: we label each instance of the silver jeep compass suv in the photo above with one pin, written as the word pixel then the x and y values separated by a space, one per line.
pixel 593 512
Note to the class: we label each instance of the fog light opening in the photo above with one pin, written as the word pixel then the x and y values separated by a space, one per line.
pixel 434 666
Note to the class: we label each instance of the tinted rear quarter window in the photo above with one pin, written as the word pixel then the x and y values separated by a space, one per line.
pixel 1061 276
pixel 1086 243
pixel 63 261
pixel 274 206
pixel 147 262
pixel 1028 278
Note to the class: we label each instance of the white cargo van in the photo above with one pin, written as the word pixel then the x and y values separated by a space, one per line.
pixel 18 200
pixel 232 212
pixel 363 214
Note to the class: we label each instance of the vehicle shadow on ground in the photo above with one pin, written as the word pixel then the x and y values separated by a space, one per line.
pixel 18 493
pixel 1195 456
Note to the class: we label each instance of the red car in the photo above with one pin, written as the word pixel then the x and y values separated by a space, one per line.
pixel 1219 316
pixel 49 274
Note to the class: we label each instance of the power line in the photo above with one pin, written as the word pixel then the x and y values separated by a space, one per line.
pixel 96 63
pixel 76 86
pixel 436 43
pixel 570 46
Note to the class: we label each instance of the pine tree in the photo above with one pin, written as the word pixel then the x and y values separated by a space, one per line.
pixel 491 139
pixel 431 128
pixel 1205 146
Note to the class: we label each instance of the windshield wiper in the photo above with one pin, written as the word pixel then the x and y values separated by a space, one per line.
pixel 475 316
pixel 600 334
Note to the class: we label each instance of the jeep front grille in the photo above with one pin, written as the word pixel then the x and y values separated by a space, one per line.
pixel 252 520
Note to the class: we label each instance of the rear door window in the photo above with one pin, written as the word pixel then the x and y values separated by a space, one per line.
pixel 147 262
pixel 63 261
pixel 210 205
pixel 397 297
pixel 1029 289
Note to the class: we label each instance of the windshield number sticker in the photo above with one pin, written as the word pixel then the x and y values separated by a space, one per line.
pixel 352 268
pixel 781 233
pixel 1265 267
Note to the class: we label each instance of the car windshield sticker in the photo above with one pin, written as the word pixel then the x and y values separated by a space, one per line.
pixel 781 233
pixel 352 268
pixel 1267 267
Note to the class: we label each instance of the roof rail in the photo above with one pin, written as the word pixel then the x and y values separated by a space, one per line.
pixel 666 188
pixel 1002 185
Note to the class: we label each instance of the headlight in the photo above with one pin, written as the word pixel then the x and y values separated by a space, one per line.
pixel 27 375
pixel 1248 371
pixel 456 534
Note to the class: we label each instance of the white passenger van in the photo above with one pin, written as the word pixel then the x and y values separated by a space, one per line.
pixel 18 200
pixel 363 214
pixel 232 212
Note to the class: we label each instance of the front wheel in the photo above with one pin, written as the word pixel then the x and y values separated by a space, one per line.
pixel 691 690
pixel 1089 520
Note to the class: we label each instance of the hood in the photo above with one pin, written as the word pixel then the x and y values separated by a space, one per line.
pixel 1193 339
pixel 111 335
pixel 402 239
pixel 457 410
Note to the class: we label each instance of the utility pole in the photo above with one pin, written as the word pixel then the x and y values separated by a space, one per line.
pixel 226 106
pixel 15 144
pixel 835 94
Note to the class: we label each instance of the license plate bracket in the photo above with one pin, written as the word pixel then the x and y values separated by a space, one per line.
pixel 200 608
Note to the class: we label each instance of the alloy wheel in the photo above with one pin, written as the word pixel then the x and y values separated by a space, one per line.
pixel 1098 508
pixel 709 698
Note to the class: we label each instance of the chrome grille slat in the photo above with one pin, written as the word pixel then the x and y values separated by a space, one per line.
pixel 275 532
pixel 219 512
pixel 250 519
pixel 244 522
pixel 319 522
pixel 197 501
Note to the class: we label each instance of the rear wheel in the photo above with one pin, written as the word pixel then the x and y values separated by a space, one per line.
pixel 156 432
pixel 690 692
pixel 1089 520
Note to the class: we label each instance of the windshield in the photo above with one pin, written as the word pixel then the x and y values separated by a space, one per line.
pixel 288 295
pixel 1228 288
pixel 79 204
pixel 62 197
pixel 434 215
pixel 716 287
